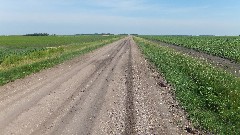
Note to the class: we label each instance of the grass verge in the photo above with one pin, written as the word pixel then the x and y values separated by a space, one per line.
pixel 208 94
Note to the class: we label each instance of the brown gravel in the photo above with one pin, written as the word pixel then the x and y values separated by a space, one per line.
pixel 112 90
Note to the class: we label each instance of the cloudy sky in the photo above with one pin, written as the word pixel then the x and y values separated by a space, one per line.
pixel 219 17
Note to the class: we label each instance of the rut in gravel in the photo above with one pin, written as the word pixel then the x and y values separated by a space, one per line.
pixel 223 63
pixel 109 91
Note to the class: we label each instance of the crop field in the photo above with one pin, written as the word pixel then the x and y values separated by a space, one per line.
pixel 139 80
pixel 209 94
pixel 120 67
pixel 222 46
pixel 23 55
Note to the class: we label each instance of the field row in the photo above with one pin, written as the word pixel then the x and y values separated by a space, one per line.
pixel 22 45
pixel 25 55
pixel 209 94
pixel 226 47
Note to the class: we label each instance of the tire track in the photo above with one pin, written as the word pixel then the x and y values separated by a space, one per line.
pixel 84 87
pixel 129 120
pixel 48 88
pixel 98 102
pixel 11 93
pixel 45 83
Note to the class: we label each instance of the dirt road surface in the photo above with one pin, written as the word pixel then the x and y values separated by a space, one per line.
pixel 112 90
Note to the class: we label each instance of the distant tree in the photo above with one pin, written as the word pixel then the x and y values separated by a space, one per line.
pixel 37 34
pixel 122 34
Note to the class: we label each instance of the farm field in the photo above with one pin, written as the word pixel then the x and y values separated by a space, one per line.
pixel 208 93
pixel 111 90
pixel 223 46
pixel 218 61
pixel 120 67
pixel 112 85
pixel 23 55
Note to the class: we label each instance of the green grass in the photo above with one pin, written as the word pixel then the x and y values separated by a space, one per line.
pixel 224 46
pixel 22 45
pixel 46 41
pixel 18 65
pixel 209 94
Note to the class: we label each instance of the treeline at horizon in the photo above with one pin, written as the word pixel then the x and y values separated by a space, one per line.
pixel 37 34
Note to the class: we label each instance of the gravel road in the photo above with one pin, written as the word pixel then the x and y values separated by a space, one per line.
pixel 112 90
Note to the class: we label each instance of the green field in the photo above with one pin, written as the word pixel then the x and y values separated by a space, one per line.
pixel 209 94
pixel 21 45
pixel 224 46
pixel 23 55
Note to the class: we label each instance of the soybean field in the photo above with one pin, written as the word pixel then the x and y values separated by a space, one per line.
pixel 222 46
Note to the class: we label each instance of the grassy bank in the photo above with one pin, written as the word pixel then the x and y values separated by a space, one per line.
pixel 15 66
pixel 209 95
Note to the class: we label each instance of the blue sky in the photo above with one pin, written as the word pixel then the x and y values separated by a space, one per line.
pixel 218 17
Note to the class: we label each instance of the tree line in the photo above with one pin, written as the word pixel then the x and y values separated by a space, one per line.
pixel 37 34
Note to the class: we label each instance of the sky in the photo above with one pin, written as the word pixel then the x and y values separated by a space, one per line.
pixel 151 17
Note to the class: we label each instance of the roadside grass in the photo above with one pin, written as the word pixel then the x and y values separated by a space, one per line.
pixel 209 94
pixel 18 66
